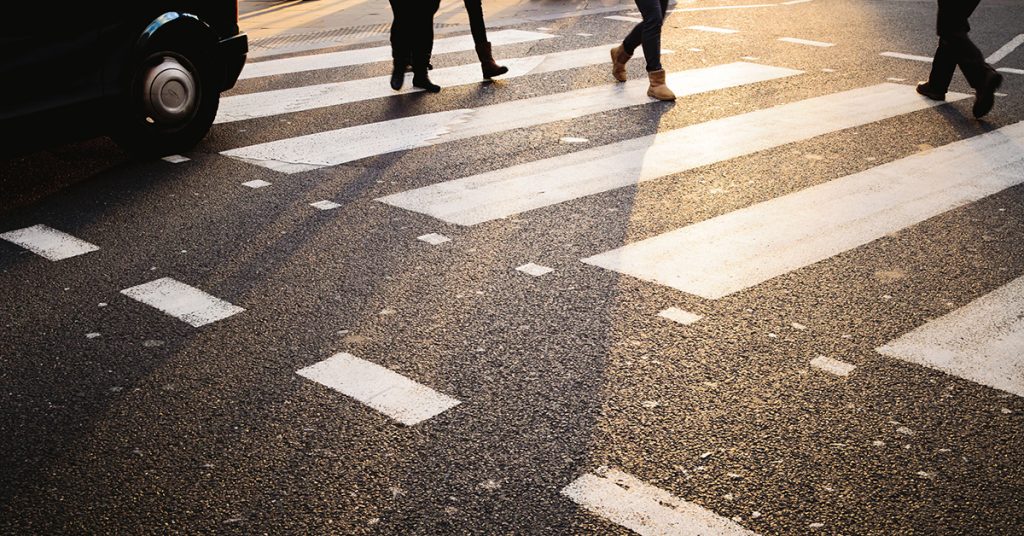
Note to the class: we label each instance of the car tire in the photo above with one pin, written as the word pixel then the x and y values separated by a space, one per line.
pixel 170 103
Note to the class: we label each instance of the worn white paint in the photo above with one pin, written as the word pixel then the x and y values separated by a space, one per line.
pixel 718 8
pixel 182 301
pixel 1006 49
pixel 535 270
pixel 738 250
pixel 902 56
pixel 332 60
pixel 680 316
pixel 807 42
pixel 297 99
pixel 624 18
pixel 325 205
pixel 294 155
pixel 712 29
pixel 982 342
pixel 175 159
pixel 571 139
pixel 645 509
pixel 832 366
pixel 258 183
pixel 49 243
pixel 1010 70
pixel 505 192
pixel 386 391
pixel 434 239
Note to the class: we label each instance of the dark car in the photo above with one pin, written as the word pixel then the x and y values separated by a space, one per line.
pixel 147 72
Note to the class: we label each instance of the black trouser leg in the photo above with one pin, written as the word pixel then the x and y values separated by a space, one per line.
pixel 400 42
pixel 648 32
pixel 956 47
pixel 423 32
pixel 475 10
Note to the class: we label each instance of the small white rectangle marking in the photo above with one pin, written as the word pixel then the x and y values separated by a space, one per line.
pixel 808 42
pixel 434 239
pixel 645 509
pixel 676 314
pixel 832 366
pixel 902 56
pixel 182 301
pixel 325 205
pixel 48 242
pixel 175 159
pixel 256 184
pixel 735 251
pixel 386 391
pixel 982 341
pixel 1010 70
pixel 712 29
pixel 347 58
pixel 625 19
pixel 535 270
pixel 891 79
pixel 570 139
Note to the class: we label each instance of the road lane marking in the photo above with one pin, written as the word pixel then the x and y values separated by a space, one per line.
pixel 331 148
pixel 808 42
pixel 625 19
pixel 49 243
pixel 182 301
pixel 741 249
pixel 982 341
pixel 832 366
pixel 903 56
pixel 297 99
pixel 680 316
pixel 712 29
pixel 1006 49
pixel 1010 70
pixel 509 191
pixel 434 239
pixel 717 8
pixel 175 159
pixel 386 391
pixel 258 183
pixel 325 205
pixel 535 270
pixel 331 60
pixel 645 509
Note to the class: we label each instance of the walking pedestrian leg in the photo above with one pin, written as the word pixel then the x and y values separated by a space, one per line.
pixel 488 66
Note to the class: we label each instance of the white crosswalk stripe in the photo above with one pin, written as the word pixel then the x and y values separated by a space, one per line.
pixel 505 192
pixel 362 56
pixel 282 101
pixel 184 302
pixel 724 255
pixel 982 341
pixel 49 243
pixel 324 149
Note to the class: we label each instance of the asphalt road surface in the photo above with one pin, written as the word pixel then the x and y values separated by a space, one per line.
pixel 789 303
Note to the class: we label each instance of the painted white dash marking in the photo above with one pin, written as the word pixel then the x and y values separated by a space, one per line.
pixel 505 192
pixel 712 29
pixel 794 2
pixel 347 58
pixel 645 509
pixel 92 335
pixel 750 58
pixel 325 205
pixel 1010 70
pixel 544 29
pixel 680 316
pixel 585 35
pixel 807 42
pixel 832 366
pixel 826 70
pixel 535 270
pixel 314 151
pixel 48 242
pixel 182 301
pixel 175 159
pixel 386 391
pixel 695 49
pixel 982 341
pixel 892 79
pixel 297 99
pixel 1006 49
pixel 625 19
pixel 434 239
pixel 717 8
pixel 570 139
pixel 256 184
pixel 741 249
pixel 902 56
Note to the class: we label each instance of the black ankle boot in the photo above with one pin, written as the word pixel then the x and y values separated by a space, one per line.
pixel 422 81
pixel 986 95
pixel 397 76
pixel 487 63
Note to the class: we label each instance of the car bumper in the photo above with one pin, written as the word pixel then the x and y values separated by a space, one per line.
pixel 232 53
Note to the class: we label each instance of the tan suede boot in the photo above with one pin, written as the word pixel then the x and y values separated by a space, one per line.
pixel 619 59
pixel 658 89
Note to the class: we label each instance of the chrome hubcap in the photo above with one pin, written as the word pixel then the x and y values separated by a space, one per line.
pixel 169 93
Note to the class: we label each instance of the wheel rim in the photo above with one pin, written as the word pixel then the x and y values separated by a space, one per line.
pixel 169 93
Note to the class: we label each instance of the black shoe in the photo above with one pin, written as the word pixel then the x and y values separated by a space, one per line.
pixel 986 95
pixel 926 90
pixel 423 82
pixel 397 77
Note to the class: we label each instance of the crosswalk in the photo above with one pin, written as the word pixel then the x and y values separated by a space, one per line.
pixel 711 259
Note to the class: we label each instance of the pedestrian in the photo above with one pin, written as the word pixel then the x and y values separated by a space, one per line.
pixel 956 48
pixel 648 35
pixel 490 69
pixel 412 39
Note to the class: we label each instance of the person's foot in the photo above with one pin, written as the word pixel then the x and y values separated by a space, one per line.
pixel 924 89
pixel 488 66
pixel 986 96
pixel 422 81
pixel 658 89
pixel 619 59
pixel 397 76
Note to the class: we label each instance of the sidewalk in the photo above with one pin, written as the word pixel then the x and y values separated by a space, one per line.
pixel 283 26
